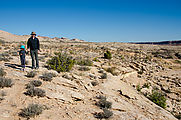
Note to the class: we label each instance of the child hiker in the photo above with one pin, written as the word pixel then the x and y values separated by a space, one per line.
pixel 22 54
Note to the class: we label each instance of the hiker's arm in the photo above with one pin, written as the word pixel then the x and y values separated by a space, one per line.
pixel 28 44
pixel 38 43
pixel 18 53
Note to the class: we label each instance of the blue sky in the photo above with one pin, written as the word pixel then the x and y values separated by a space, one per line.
pixel 94 20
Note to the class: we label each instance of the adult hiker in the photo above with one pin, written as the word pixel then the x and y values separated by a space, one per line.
pixel 34 45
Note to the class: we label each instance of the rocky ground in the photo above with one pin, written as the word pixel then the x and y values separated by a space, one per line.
pixel 127 80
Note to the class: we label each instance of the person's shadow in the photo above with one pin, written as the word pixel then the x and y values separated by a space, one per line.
pixel 15 66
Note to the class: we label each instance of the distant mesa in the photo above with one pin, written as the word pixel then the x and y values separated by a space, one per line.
pixel 175 42
pixel 8 37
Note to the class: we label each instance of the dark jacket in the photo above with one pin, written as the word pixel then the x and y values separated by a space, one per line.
pixel 33 44
pixel 22 53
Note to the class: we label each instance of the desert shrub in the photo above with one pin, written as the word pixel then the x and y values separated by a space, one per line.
pixel 96 60
pixel 103 103
pixel 94 83
pixel 178 55
pixel 107 55
pixel 158 98
pixel 7 47
pixel 178 116
pixel 103 115
pixel 61 62
pixel 104 76
pixel 121 57
pixel 2 41
pixel 2 72
pixel 84 62
pixel 112 70
pixel 31 74
pixel 35 92
pixel 4 82
pixel 31 111
pixel 138 88
pixel 28 86
pixel 71 52
pixel 140 72
pixel 34 83
pixel 177 61
pixel 84 68
pixel 5 57
pixel 2 94
pixel 47 76
pixel 146 85
pixel 101 97
pixel 14 53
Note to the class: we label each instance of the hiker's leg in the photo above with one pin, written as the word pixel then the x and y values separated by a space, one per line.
pixel 36 57
pixel 33 58
pixel 21 58
pixel 23 65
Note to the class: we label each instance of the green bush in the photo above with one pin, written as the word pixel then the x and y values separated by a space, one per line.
pixel 138 88
pixel 84 62
pixel 31 111
pixel 4 82
pixel 2 72
pixel 107 55
pixel 61 62
pixel 158 98
pixel 96 59
pixel 35 92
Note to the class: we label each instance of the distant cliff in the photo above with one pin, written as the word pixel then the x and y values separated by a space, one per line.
pixel 176 42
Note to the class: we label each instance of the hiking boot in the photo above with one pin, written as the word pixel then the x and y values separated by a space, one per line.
pixel 33 67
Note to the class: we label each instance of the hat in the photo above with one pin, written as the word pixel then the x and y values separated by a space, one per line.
pixel 22 47
pixel 33 33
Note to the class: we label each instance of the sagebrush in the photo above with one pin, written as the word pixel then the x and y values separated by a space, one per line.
pixel 103 115
pixel 5 82
pixel 2 72
pixel 31 111
pixel 34 83
pixel 47 76
pixel 31 74
pixel 35 92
